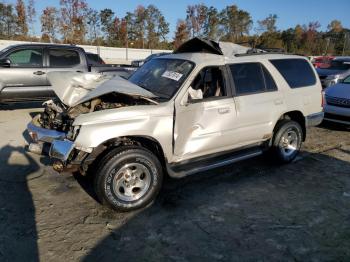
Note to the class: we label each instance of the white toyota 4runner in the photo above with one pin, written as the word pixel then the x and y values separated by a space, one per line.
pixel 206 105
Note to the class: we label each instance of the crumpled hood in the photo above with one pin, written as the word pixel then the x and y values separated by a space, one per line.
pixel 339 90
pixel 74 88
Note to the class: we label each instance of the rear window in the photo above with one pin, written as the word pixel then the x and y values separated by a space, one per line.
pixel 63 58
pixel 297 72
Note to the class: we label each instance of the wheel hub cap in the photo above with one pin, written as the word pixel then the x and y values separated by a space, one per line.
pixel 132 182
pixel 289 142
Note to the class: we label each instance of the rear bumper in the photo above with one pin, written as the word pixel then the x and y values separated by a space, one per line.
pixel 314 119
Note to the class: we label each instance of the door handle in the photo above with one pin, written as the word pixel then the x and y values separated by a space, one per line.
pixel 278 102
pixel 224 110
pixel 39 73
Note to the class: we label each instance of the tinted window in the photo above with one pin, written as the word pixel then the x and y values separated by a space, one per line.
pixel 26 58
pixel 340 65
pixel 249 78
pixel 270 83
pixel 63 58
pixel 297 72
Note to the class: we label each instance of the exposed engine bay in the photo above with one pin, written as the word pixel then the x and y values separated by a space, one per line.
pixel 60 117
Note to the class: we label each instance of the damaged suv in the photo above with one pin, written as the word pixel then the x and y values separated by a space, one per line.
pixel 206 105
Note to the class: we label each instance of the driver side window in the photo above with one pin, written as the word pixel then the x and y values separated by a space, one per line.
pixel 26 58
pixel 209 83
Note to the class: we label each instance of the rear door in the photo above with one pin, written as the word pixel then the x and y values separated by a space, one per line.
pixel 258 101
pixel 26 77
pixel 65 59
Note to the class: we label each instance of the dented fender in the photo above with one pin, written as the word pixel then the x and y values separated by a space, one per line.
pixel 99 127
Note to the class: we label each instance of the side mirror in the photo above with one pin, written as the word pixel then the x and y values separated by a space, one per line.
pixel 5 62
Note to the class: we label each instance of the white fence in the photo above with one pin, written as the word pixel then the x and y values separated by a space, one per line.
pixel 111 55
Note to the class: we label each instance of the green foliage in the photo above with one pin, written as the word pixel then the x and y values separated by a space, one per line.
pixel 146 27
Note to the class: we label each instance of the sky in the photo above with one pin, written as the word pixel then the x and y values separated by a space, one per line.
pixel 289 12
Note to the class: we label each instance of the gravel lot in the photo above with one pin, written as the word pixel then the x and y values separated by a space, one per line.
pixel 251 211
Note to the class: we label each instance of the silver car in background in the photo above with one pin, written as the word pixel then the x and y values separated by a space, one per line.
pixel 339 69
pixel 337 107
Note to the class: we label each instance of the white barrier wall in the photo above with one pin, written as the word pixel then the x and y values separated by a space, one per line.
pixel 111 55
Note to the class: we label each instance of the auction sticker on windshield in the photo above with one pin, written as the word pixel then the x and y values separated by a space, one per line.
pixel 172 75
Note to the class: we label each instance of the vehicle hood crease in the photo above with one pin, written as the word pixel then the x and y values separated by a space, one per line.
pixel 74 88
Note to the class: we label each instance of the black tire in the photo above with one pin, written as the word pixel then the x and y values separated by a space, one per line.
pixel 123 162
pixel 279 150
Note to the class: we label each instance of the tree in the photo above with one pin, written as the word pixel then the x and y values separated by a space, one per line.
pixel 235 23
pixel 31 15
pixel 21 19
pixel 181 34
pixel 196 19
pixel 7 21
pixel 156 26
pixel 335 26
pixel 212 22
pixel 49 24
pixel 106 18
pixel 73 20
pixel 94 25
pixel 268 24
pixel 139 25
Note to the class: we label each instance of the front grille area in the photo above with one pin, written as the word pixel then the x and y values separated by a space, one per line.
pixel 337 117
pixel 336 101
pixel 323 77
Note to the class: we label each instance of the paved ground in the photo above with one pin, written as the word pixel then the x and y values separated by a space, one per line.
pixel 253 211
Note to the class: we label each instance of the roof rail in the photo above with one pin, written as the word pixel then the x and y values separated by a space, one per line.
pixel 263 51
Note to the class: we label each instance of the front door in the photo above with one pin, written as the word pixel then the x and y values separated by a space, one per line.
pixel 205 124
pixel 26 76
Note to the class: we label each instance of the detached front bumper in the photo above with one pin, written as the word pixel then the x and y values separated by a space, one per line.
pixel 60 147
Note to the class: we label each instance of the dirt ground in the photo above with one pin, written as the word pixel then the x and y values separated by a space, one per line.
pixel 251 211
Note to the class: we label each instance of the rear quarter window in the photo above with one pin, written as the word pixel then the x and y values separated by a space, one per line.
pixel 297 72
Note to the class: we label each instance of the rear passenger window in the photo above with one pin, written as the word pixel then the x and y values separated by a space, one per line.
pixel 63 58
pixel 250 78
pixel 297 72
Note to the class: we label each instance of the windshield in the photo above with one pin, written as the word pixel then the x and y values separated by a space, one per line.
pixel 340 65
pixel 162 77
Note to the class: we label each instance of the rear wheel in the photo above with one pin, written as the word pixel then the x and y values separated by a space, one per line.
pixel 128 178
pixel 287 141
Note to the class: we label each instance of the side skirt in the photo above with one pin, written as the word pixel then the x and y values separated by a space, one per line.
pixel 206 163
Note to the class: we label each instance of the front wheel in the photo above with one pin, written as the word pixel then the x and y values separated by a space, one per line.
pixel 128 178
pixel 287 141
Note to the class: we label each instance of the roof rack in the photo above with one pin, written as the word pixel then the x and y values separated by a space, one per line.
pixel 263 51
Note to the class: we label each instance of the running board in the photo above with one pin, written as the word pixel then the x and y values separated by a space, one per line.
pixel 207 163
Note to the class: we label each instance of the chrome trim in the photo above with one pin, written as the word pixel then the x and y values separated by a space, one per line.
pixel 45 135
pixel 61 149
pixel 314 119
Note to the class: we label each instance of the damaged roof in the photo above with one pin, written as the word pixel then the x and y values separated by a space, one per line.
pixel 200 45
